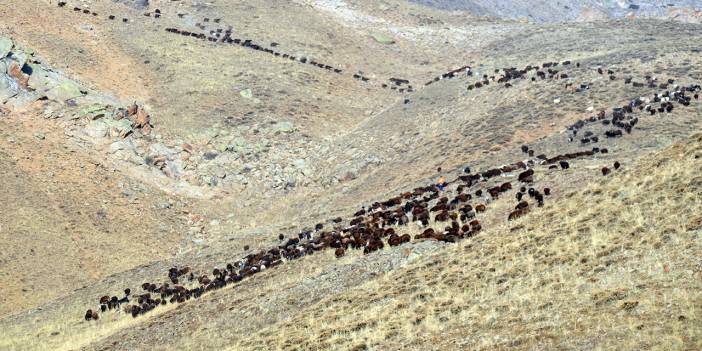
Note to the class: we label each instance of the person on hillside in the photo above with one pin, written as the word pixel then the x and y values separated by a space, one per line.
pixel 441 182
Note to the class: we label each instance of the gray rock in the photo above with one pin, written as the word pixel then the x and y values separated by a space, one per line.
pixel 64 91
pixel 23 99
pixel 221 173
pixel 159 149
pixel 96 129
pixel 137 4
pixel 120 128
pixel 246 93
pixel 116 146
pixel 8 88
pixel 41 79
pixel 5 46
pixel 284 127
pixel 18 56
pixel 290 183
pixel 299 163
pixel 210 155
pixel 39 135
pixel 174 168
pixel 382 38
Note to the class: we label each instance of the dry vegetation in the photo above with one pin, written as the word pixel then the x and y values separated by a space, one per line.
pixel 609 263
pixel 614 266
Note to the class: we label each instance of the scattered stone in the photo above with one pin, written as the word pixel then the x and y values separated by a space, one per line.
pixel 96 129
pixel 284 127
pixel 173 169
pixel 210 155
pixel 382 38
pixel 246 93
pixel 39 135
pixel 91 111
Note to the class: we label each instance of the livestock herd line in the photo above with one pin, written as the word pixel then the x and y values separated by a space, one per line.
pixel 455 205
pixel 371 228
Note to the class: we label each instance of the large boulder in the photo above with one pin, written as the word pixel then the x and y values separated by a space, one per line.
pixel 65 91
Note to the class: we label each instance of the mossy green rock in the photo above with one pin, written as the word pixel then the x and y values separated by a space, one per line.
pixel 64 91
pixel 91 110
pixel 246 93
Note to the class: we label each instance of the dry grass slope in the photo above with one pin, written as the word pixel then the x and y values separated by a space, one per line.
pixel 614 266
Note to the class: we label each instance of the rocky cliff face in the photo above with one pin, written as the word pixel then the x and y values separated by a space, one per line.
pixel 570 10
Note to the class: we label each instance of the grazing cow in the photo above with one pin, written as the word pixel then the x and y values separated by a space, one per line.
pixel 564 165
pixel 605 171
pixel 617 165
pixel 613 133
pixel 526 176
pixel 517 213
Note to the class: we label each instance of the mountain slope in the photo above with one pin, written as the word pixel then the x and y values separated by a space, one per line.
pixel 614 266
pixel 565 11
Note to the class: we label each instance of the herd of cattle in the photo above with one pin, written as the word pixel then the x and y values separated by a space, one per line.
pixel 447 213
pixel 224 36
pixel 453 208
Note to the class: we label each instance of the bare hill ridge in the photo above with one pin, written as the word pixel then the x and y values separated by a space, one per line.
pixel 566 11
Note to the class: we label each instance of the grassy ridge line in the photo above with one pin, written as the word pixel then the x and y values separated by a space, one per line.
pixel 615 266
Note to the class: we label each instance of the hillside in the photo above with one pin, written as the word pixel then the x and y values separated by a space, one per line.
pixel 612 266
pixel 314 175
pixel 566 11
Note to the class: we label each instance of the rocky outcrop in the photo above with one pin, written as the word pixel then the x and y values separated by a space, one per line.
pixel 24 80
